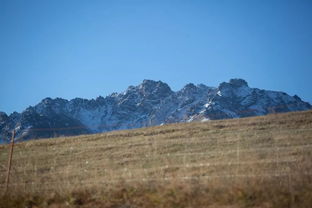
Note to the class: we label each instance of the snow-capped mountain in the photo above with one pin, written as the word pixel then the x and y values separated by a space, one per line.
pixel 148 104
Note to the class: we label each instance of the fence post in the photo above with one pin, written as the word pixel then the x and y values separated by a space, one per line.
pixel 9 162
pixel 237 157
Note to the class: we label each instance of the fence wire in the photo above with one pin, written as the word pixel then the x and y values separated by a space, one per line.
pixel 141 173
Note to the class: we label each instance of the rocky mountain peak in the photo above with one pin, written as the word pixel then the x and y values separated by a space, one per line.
pixel 233 83
pixel 234 88
pixel 14 115
pixel 3 117
pixel 50 102
pixel 297 98
pixel 46 100
pixel 154 88
pixel 100 100
pixel 150 103
pixel 189 90
pixel 189 86
pixel 238 83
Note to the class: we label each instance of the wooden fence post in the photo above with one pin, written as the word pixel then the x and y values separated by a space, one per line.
pixel 9 162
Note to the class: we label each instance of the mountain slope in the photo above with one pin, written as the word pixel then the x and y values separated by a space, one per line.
pixel 148 104
pixel 262 161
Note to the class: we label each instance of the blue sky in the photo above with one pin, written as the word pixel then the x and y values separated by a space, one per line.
pixel 80 48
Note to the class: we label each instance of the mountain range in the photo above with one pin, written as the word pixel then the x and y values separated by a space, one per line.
pixel 148 104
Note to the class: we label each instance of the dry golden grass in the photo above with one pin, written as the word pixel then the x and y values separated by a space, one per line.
pixel 252 162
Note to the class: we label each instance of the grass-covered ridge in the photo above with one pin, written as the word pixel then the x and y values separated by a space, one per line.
pixel 251 162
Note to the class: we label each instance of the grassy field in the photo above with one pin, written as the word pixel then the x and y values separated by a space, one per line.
pixel 251 162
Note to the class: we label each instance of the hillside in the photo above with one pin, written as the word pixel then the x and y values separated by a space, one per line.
pixel 262 161
pixel 151 103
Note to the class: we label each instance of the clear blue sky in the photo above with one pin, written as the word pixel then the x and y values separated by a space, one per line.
pixel 87 48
